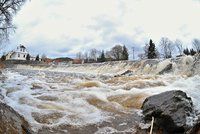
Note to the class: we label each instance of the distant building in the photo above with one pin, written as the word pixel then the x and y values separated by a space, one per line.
pixel 78 61
pixel 19 54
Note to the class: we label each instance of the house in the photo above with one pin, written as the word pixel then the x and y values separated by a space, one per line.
pixel 78 61
pixel 19 54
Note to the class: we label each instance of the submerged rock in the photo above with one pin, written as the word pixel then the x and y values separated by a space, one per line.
pixel 171 111
pixel 167 69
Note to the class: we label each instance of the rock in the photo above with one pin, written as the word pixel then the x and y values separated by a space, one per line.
pixel 36 86
pixel 170 110
pixel 195 129
pixel 127 73
pixel 167 69
pixel 11 122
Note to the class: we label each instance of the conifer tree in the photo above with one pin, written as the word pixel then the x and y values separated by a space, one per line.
pixel 186 51
pixel 151 50
pixel 102 57
pixel 37 58
pixel 125 53
pixel 28 57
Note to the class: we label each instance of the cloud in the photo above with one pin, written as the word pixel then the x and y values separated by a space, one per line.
pixel 65 27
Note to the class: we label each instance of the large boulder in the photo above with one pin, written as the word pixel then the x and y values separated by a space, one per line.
pixel 171 110
pixel 11 122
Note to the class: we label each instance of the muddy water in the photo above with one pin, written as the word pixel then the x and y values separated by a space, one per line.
pixel 62 102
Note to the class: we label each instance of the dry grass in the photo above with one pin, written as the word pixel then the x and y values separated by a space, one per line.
pixel 89 84
pixel 129 101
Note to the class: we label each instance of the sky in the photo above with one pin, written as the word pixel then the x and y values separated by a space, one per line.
pixel 61 28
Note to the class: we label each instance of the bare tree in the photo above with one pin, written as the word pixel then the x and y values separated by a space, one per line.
pixel 141 56
pixel 8 8
pixel 167 47
pixel 179 45
pixel 44 57
pixel 79 55
pixel 196 45
pixel 86 57
pixel 116 52
pixel 108 55
pixel 93 54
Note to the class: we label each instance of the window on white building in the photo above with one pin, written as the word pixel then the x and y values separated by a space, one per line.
pixel 18 55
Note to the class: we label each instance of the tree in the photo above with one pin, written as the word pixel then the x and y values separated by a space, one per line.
pixel 102 58
pixel 116 52
pixel 141 56
pixel 44 57
pixel 37 58
pixel 108 56
pixel 186 51
pixel 86 57
pixel 196 45
pixel 79 55
pixel 28 57
pixel 151 54
pixel 8 8
pixel 179 46
pixel 192 52
pixel 3 58
pixel 125 53
pixel 166 47
pixel 93 54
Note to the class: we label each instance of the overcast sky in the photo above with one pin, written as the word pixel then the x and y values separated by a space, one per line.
pixel 65 27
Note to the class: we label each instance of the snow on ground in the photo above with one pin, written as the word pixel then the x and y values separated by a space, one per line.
pixel 54 96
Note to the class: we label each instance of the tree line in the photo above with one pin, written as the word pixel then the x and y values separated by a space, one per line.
pixel 167 48
pixel 116 53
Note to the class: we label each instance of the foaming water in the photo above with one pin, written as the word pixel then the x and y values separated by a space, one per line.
pixel 89 96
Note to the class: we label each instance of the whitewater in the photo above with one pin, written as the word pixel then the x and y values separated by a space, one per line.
pixel 95 98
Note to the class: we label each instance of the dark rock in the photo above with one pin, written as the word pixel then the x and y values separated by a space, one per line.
pixel 127 73
pixel 11 122
pixel 170 110
pixel 167 69
pixel 195 129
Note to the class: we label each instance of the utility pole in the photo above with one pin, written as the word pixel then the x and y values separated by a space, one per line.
pixel 133 49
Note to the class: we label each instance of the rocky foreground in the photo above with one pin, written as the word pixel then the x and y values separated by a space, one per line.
pixel 116 97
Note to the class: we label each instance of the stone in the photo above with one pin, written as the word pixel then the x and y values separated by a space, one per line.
pixel 127 73
pixel 11 122
pixel 170 109
pixel 167 69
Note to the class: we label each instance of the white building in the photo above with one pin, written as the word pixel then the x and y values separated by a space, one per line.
pixel 19 54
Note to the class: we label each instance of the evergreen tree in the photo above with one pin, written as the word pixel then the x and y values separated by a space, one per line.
pixel 28 57
pixel 3 58
pixel 151 50
pixel 37 58
pixel 192 52
pixel 186 51
pixel 125 53
pixel 102 57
